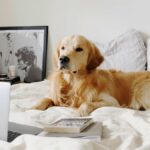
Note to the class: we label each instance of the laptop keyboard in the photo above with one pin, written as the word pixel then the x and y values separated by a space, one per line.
pixel 12 135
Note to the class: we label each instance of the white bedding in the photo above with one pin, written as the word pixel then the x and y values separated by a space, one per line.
pixel 123 129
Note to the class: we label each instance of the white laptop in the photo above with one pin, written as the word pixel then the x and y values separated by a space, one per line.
pixel 10 130
pixel 4 109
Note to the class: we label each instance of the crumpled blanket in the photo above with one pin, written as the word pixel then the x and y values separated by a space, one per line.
pixel 31 142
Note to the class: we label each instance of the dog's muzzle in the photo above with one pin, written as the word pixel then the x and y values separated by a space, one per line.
pixel 64 60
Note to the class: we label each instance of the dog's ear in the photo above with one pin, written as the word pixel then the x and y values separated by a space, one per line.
pixel 95 58
pixel 56 56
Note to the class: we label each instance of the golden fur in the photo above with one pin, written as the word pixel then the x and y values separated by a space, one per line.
pixel 82 86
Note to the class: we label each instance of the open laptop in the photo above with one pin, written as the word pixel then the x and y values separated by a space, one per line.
pixel 4 109
pixel 14 128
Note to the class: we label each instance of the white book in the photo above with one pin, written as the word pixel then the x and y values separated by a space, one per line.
pixel 92 132
pixel 68 125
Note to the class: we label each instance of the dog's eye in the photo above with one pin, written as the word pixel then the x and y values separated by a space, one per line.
pixel 62 47
pixel 79 49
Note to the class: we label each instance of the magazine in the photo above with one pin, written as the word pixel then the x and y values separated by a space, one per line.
pixel 68 125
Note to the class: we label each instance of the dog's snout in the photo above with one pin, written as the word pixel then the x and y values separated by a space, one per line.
pixel 64 59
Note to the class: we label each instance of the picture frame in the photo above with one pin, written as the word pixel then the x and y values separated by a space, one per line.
pixel 23 52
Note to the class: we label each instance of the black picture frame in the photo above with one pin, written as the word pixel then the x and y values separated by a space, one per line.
pixel 24 44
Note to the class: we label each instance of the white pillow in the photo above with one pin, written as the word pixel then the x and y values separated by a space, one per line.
pixel 127 52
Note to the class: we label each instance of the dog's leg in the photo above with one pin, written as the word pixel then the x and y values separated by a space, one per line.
pixel 86 108
pixel 105 100
pixel 141 95
pixel 44 104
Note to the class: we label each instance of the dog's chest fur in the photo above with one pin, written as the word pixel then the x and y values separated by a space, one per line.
pixel 68 94
pixel 73 90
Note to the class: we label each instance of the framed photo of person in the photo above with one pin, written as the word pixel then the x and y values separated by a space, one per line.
pixel 23 52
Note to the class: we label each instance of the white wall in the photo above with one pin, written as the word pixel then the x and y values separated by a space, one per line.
pixel 99 20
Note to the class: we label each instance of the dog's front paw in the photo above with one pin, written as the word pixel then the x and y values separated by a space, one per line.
pixel 84 110
pixel 43 104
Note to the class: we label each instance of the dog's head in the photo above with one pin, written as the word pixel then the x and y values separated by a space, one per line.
pixel 76 53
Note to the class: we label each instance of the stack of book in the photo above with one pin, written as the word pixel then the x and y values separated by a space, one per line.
pixel 79 127
pixel 12 80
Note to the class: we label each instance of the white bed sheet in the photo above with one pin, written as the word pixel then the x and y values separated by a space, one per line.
pixel 123 129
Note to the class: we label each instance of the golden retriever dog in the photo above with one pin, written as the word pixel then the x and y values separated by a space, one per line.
pixel 77 83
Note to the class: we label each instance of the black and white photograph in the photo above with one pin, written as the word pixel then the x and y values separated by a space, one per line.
pixel 23 52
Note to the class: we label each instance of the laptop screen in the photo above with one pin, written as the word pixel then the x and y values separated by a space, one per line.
pixel 4 109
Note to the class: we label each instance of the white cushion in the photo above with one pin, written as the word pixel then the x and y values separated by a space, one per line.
pixel 127 52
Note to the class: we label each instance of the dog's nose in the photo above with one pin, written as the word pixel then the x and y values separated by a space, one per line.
pixel 64 59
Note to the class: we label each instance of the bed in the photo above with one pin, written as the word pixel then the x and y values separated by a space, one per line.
pixel 122 128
